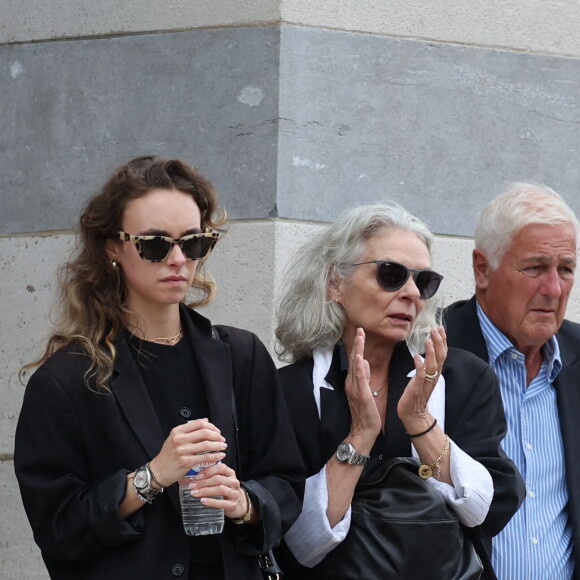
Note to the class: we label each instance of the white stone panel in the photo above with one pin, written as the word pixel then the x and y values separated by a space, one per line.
pixel 20 558
pixel 28 273
pixel 242 265
pixel 549 26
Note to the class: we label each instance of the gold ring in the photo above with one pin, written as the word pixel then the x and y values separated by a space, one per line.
pixel 431 376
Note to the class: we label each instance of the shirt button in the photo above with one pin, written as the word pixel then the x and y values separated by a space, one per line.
pixel 528 445
pixel 531 494
pixel 185 412
pixel 534 540
pixel 177 569
pixel 381 457
pixel 514 356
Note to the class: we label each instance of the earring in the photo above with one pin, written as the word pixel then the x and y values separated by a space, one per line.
pixel 115 264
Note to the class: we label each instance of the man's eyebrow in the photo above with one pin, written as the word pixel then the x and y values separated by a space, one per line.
pixel 541 259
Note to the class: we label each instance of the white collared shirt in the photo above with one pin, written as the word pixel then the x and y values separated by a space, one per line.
pixel 311 538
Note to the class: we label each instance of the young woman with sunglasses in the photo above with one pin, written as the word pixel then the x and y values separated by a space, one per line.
pixel 373 379
pixel 135 389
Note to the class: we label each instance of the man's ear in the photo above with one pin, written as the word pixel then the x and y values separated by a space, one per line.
pixel 481 269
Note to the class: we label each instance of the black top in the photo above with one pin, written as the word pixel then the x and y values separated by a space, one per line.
pixel 173 381
pixel 393 442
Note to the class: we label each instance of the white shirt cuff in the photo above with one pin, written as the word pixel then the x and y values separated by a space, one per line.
pixel 311 538
pixel 472 491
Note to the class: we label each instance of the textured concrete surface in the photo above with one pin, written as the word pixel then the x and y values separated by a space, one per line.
pixel 297 129
pixel 549 26
pixel 71 111
pixel 244 270
pixel 28 274
pixel 437 128
pixel 20 558
pixel 26 20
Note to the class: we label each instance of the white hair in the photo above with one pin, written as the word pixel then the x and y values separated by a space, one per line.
pixel 307 318
pixel 521 205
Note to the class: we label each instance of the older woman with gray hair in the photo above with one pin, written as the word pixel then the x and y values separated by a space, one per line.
pixel 372 379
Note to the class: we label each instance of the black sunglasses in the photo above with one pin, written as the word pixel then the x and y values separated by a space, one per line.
pixel 157 248
pixel 392 276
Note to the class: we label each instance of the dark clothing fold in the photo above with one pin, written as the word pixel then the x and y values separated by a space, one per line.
pixel 74 449
pixel 474 420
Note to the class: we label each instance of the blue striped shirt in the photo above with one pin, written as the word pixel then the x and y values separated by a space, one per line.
pixel 537 542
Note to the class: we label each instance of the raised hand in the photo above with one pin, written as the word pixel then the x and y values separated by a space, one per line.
pixel 412 406
pixel 366 421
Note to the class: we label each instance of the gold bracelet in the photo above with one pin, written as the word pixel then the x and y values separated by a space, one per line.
pixel 248 515
pixel 426 471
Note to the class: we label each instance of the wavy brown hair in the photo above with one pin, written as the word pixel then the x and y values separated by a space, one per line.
pixel 92 292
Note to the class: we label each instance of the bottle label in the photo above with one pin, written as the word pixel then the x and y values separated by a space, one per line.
pixel 200 467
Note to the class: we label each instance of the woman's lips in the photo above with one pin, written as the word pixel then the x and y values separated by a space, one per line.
pixel 174 280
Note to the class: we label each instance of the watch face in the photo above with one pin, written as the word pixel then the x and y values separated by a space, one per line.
pixel 344 451
pixel 141 480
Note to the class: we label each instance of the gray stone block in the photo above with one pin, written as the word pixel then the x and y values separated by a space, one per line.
pixel 72 111
pixel 439 128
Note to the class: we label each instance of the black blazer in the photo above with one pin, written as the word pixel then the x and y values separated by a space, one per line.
pixel 474 419
pixel 74 449
pixel 463 330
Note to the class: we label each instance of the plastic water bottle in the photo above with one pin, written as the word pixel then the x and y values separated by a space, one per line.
pixel 198 519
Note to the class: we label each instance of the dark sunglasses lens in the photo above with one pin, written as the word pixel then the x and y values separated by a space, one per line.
pixel 197 248
pixel 428 283
pixel 154 250
pixel 391 276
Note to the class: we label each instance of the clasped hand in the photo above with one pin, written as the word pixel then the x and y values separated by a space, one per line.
pixel 194 443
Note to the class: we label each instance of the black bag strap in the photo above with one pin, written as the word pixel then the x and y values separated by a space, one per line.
pixel 267 561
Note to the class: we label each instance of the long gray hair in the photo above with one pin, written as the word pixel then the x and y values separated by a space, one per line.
pixel 307 318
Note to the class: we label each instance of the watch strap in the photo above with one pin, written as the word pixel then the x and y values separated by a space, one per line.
pixel 358 459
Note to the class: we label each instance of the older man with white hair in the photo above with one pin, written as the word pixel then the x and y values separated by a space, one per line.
pixel 524 263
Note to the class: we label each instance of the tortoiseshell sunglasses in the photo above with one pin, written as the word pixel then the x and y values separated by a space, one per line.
pixel 157 248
